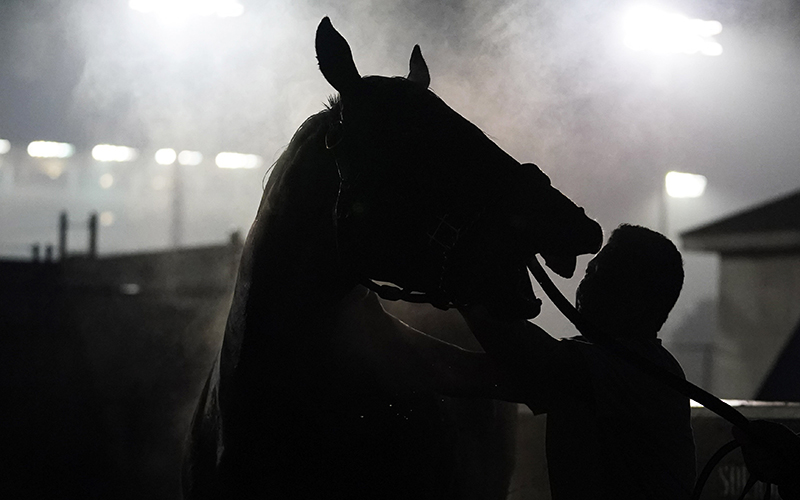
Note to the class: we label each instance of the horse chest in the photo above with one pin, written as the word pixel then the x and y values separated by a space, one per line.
pixel 330 423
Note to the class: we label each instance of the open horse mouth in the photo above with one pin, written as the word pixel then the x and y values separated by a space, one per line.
pixel 563 265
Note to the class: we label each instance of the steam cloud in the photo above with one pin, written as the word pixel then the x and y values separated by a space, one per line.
pixel 550 81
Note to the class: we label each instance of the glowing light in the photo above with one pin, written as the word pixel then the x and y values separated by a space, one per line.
pixel 171 10
pixel 5 146
pixel 130 288
pixel 108 152
pixel 711 49
pixel 54 170
pixel 106 181
pixel 106 218
pixel 237 160
pixel 191 158
pixel 647 28
pixel 683 185
pixel 165 156
pixel 159 182
pixel 47 149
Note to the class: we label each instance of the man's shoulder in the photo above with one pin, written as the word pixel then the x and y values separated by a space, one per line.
pixel 651 349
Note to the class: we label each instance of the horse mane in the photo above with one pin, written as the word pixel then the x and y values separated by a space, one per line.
pixel 312 126
pixel 334 103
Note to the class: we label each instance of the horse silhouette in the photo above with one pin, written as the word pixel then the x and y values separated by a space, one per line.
pixel 390 188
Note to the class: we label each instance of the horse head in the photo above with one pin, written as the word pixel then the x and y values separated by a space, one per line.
pixel 429 204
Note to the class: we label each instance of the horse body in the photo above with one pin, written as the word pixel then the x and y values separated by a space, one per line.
pixel 307 398
pixel 289 410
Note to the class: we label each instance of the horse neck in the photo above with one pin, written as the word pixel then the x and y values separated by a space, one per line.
pixel 290 262
pixel 292 268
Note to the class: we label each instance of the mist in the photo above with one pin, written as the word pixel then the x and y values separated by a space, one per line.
pixel 551 82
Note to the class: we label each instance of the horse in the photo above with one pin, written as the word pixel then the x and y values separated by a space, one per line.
pixel 317 392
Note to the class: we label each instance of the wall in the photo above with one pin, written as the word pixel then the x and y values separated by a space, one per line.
pixel 102 364
pixel 726 482
pixel 759 306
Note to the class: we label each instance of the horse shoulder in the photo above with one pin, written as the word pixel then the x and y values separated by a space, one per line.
pixel 397 356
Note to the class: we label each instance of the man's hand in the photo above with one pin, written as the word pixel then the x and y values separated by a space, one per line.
pixel 772 454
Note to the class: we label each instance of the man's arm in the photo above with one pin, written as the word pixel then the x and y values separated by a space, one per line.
pixel 543 369
pixel 401 356
pixel 451 370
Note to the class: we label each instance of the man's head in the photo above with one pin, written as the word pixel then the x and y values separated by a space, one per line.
pixel 632 284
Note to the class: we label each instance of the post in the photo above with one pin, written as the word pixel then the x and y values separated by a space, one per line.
pixel 176 226
pixel 93 235
pixel 63 226
pixel 35 252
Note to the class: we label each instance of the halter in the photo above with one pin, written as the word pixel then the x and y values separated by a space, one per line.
pixel 443 239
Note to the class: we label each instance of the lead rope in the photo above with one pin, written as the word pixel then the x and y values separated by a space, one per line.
pixel 710 465
pixel 667 378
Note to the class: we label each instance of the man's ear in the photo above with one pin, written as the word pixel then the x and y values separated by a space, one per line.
pixel 418 68
pixel 335 59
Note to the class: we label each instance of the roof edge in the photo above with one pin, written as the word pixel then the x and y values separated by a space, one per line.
pixel 743 242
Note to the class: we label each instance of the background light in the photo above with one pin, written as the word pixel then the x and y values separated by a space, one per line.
pixel 178 9
pixel 5 146
pixel 237 160
pixel 130 288
pixel 683 185
pixel 711 49
pixel 106 218
pixel 165 156
pixel 47 149
pixel 647 28
pixel 191 158
pixel 108 152
pixel 54 170
pixel 106 181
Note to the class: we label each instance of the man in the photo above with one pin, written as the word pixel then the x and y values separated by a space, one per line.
pixel 612 432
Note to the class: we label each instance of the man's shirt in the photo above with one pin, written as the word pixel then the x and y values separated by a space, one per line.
pixel 612 431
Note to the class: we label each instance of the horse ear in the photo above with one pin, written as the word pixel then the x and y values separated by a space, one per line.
pixel 418 69
pixel 334 57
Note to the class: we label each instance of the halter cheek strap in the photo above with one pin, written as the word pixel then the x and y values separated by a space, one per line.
pixel 333 143
pixel 443 237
